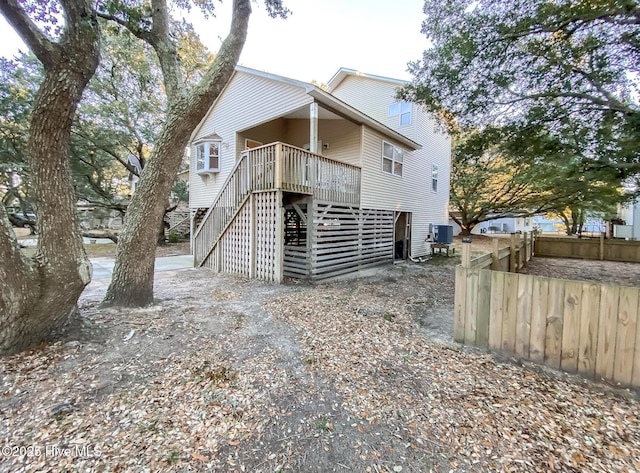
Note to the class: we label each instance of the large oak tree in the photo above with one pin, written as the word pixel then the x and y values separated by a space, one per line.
pixel 132 283
pixel 494 176
pixel 38 295
pixel 570 67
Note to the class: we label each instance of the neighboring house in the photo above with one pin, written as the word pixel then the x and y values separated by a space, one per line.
pixel 500 225
pixel 546 224
pixel 630 214
pixel 287 179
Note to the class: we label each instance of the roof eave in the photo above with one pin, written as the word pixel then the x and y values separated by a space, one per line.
pixel 359 117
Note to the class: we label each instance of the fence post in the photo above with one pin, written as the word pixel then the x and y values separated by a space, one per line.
pixel 601 246
pixel 526 250
pixel 466 252
pixel 495 255
pixel 513 264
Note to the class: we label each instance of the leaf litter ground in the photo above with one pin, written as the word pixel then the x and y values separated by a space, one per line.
pixel 226 374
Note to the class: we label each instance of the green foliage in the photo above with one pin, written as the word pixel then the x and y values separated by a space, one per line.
pixel 568 66
pixel 19 80
pixel 487 184
pixel 493 176
pixel 120 115
pixel 180 191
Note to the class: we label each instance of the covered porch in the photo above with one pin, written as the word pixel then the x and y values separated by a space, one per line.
pixel 244 231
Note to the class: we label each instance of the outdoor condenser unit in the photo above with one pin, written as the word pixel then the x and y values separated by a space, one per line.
pixel 444 234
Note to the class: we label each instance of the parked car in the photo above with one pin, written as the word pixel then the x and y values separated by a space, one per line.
pixel 22 219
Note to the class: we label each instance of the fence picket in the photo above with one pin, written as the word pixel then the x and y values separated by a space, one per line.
pixel 510 314
pixel 553 336
pixel 589 314
pixel 538 319
pixel 496 310
pixel 484 303
pixel 609 300
pixel 459 305
pixel 635 380
pixel 626 335
pixel 471 305
pixel 523 323
pixel 571 326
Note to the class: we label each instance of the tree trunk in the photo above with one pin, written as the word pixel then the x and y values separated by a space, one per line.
pixel 132 282
pixel 38 296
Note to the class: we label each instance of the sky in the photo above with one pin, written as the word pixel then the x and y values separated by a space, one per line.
pixel 318 38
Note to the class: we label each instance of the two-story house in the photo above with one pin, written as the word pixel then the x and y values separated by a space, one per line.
pixel 287 179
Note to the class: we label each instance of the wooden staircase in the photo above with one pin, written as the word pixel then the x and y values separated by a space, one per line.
pixel 233 195
pixel 268 170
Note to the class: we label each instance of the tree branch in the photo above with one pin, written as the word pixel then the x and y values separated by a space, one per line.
pixel 45 50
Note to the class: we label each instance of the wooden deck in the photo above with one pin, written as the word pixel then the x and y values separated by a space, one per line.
pixel 254 234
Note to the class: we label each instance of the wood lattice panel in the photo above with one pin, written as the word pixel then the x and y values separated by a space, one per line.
pixel 236 242
pixel 267 207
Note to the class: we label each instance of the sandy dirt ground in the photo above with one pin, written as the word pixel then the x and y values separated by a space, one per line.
pixel 356 375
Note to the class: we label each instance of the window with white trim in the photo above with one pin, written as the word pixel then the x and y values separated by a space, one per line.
pixel 208 156
pixel 401 109
pixel 392 159
pixel 434 177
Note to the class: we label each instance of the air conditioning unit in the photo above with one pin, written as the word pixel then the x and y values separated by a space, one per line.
pixel 444 234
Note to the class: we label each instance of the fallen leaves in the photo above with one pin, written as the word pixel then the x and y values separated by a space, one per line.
pixel 233 375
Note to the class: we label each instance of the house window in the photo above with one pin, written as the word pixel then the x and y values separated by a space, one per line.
pixel 403 110
pixel 392 159
pixel 208 156
pixel 434 177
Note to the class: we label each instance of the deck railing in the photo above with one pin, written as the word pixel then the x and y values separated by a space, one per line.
pixel 234 192
pixel 285 167
pixel 276 166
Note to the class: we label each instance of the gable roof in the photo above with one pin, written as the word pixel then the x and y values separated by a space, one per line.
pixel 329 102
pixel 344 72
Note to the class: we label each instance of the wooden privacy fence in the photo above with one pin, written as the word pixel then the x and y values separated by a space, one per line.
pixel 589 328
pixel 510 258
pixel 589 248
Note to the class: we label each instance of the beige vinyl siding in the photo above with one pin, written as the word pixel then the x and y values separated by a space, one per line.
pixel 341 136
pixel 436 149
pixel 343 140
pixel 367 95
pixel 247 101
pixel 410 192
pixel 263 133
pixel 373 97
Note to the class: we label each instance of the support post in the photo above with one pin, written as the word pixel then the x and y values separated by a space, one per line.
pixel 313 127
pixel 601 246
pixel 253 238
pixel 513 263
pixel 278 167
pixel 311 234
pixel 279 256
pixel 495 255
pixel 466 252
pixel 192 218
pixel 526 250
